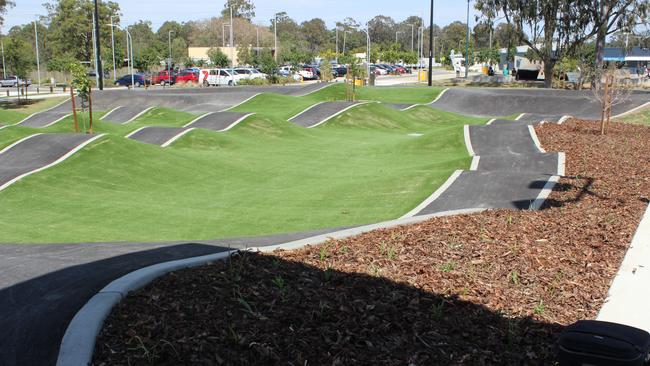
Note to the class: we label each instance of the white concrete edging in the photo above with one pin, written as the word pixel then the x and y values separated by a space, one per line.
pixel 138 115
pixel 305 110
pixel 327 85
pixel 237 122
pixel 564 119
pixel 177 136
pixel 468 140
pixel 452 178
pixel 109 112
pixel 430 103
pixel 59 160
pixel 632 110
pixel 135 131
pixel 520 116
pixel 198 119
pixel 533 135
pixel 339 113
pixel 475 161
pixel 79 339
pixel 628 298
pixel 544 193
pixel 240 103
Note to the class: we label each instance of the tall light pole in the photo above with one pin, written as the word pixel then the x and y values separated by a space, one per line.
pixel 223 33
pixel 396 33
pixel 367 31
pixel 412 32
pixel 467 45
pixel 169 61
pixel 94 58
pixel 337 43
pixel 232 44
pixel 4 69
pixel 430 76
pixel 345 32
pixel 38 59
pixel 113 50
pixel 99 70
pixel 275 38
pixel 129 51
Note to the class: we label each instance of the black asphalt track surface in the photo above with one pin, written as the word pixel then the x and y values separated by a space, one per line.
pixel 43 119
pixel 320 112
pixel 123 114
pixel 156 135
pixel 217 121
pixel 37 152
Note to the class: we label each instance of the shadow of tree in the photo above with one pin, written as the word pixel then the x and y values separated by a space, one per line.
pixel 18 104
pixel 264 310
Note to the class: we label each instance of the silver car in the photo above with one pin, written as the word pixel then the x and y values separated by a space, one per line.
pixel 14 81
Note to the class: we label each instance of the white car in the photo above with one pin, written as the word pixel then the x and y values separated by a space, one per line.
pixel 306 74
pixel 218 77
pixel 250 73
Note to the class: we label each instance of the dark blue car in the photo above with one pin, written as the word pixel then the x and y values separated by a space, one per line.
pixel 138 80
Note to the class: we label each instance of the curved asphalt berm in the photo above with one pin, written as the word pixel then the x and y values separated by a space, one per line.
pixel 124 114
pixel 495 102
pixel 156 135
pixel 44 119
pixel 35 153
pixel 321 113
pixel 218 121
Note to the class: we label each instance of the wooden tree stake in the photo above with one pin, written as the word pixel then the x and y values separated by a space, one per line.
pixel 74 110
pixel 90 109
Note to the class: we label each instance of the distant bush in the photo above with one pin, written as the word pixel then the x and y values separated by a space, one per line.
pixel 255 81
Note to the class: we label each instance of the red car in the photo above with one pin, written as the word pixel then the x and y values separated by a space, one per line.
pixel 163 78
pixel 400 69
pixel 186 76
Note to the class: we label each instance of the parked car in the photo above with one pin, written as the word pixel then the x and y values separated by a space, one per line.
pixel 379 70
pixel 218 77
pixel 138 80
pixel 400 69
pixel 187 76
pixel 285 71
pixel 14 81
pixel 250 73
pixel 307 73
pixel 340 70
pixel 164 78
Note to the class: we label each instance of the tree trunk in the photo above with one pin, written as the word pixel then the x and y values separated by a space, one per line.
pixel 548 73
pixel 600 45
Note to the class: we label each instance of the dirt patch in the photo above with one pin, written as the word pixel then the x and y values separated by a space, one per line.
pixel 489 288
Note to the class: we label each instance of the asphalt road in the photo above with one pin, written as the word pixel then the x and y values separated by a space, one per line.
pixel 319 113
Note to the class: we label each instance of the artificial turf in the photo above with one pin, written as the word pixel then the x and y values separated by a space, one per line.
pixel 264 176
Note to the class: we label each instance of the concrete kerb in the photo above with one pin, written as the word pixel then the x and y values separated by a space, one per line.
pixel 468 140
pixel 177 136
pixel 47 110
pixel 197 119
pixel 564 119
pixel 109 112
pixel 237 122
pixel 79 339
pixel 628 298
pixel 520 116
pixel 632 110
pixel 431 103
pixel 58 120
pixel 475 161
pixel 138 115
pixel 240 103
pixel 452 178
pixel 59 160
pixel 305 110
pixel 327 85
pixel 533 135
pixel 135 131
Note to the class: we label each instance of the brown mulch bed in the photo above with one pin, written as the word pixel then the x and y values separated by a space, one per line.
pixel 491 288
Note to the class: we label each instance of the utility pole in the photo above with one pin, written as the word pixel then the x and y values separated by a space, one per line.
pixel 337 43
pixel 38 60
pixel 113 50
pixel 412 33
pixel 4 69
pixel 430 76
pixel 345 32
pixel 232 44
pixel 169 61
pixel 95 52
pixel 275 37
pixel 99 70
pixel 396 33
pixel 467 45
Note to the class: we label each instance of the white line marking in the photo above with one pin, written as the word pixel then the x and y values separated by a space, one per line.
pixel 452 178
pixel 58 120
pixel 544 193
pixel 339 113
pixel 564 119
pixel 490 121
pixel 468 141
pixel 136 131
pixel 59 160
pixel 18 142
pixel 198 118
pixel 240 103
pixel 632 110
pixel 475 161
pixel 181 134
pixel 430 103
pixel 4 126
pixel 236 122
pixel 47 110
pixel 111 111
pixel 533 135
pixel 138 115
pixel 439 96
pixel 520 116
pixel 561 164
pixel 628 298
pixel 319 89
pixel 308 108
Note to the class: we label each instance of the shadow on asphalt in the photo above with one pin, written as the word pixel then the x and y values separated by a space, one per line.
pixel 35 314
pixel 266 310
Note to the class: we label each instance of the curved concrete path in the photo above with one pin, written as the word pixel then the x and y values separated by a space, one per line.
pixel 320 113
pixel 38 152
pixel 218 121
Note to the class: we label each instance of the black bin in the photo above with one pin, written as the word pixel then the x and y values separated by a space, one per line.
pixel 596 343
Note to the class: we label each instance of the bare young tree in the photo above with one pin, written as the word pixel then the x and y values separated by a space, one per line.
pixel 616 89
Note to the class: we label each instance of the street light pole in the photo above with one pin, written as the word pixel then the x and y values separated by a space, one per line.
pixel 113 50
pixel 337 44
pixel 467 45
pixel 232 45
pixel 38 60
pixel 430 76
pixel 169 61
pixel 275 38
pixel 4 69
pixel 345 32
pixel 100 70
pixel 412 32
pixel 396 33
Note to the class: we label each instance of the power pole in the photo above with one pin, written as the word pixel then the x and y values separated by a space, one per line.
pixel 430 76
pixel 337 43
pixel 275 37
pixel 113 50
pixel 100 69
pixel 38 60
pixel 467 45
pixel 232 55
pixel 4 69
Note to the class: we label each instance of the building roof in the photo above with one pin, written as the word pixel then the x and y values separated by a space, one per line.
pixel 634 54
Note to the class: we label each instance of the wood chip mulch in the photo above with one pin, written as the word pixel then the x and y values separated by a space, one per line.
pixel 493 288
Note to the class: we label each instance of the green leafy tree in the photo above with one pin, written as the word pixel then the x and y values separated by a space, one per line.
pixel 4 4
pixel 240 9
pixel 217 57
pixel 244 55
pixel 267 64
pixel 409 58
pixel 149 57
pixel 18 56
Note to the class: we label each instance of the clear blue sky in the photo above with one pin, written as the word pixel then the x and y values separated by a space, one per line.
pixel 157 11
